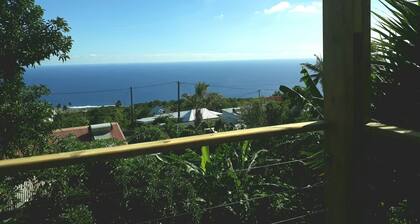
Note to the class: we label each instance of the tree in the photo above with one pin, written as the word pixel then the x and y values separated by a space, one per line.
pixel 198 101
pixel 24 121
pixel 26 38
pixel 118 103
pixel 147 134
pixel 253 114
pixel 316 69
pixel 201 95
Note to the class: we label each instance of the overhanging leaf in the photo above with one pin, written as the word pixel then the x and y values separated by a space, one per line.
pixel 205 157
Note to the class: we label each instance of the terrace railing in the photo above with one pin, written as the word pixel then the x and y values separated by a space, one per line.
pixel 66 158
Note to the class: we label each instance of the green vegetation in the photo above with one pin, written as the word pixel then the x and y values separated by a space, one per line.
pixel 209 184
pixel 254 181
pixel 396 64
pixel 26 39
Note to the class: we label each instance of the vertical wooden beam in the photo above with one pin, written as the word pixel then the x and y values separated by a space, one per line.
pixel 346 25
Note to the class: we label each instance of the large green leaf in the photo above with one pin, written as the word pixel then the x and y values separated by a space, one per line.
pixel 310 102
pixel 205 157
pixel 245 149
pixel 310 84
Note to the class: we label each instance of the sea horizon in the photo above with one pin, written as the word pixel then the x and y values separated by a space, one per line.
pixel 104 84
pixel 67 63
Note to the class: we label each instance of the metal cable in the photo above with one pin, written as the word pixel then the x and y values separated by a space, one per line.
pixel 235 202
pixel 300 217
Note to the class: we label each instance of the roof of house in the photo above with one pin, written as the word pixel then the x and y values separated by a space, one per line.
pixel 232 110
pixel 186 115
pixel 92 132
pixel 206 114
pixel 88 107
pixel 276 98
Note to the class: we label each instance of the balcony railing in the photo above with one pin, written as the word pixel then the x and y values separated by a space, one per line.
pixel 66 158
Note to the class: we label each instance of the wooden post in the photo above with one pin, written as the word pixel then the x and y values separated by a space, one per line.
pixel 346 25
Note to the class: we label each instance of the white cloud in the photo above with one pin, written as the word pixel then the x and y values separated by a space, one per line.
pixel 281 6
pixel 93 55
pixel 314 7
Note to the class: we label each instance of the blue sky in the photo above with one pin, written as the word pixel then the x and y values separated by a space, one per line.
pixel 116 31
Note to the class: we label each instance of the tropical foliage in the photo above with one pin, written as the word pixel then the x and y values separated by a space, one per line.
pixel 258 181
pixel 396 64
pixel 315 69
pixel 26 39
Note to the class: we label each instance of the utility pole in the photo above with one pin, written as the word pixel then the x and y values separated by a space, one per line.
pixel 131 105
pixel 259 93
pixel 179 100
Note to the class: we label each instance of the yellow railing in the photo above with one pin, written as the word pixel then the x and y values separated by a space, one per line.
pixel 66 158
pixel 396 133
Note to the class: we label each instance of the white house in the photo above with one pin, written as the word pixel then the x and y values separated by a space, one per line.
pixel 186 116
pixel 231 115
pixel 157 110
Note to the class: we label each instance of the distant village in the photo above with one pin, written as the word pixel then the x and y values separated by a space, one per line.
pixel 112 130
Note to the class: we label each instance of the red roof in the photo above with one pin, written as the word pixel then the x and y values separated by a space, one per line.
pixel 83 133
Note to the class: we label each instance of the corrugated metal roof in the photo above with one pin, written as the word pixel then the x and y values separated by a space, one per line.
pixel 85 133
pixel 186 115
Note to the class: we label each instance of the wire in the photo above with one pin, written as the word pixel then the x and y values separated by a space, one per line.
pixel 301 161
pixel 154 85
pixel 300 217
pixel 188 83
pixel 234 203
pixel 88 92
pixel 223 86
pixel 159 84
pixel 269 90
pixel 112 90
pixel 230 87
pixel 247 94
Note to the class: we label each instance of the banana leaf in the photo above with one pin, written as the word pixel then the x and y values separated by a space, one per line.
pixel 205 157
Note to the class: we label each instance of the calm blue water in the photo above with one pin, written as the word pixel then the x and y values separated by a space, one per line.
pixel 75 83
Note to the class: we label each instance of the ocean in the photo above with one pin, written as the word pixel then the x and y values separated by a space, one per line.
pixel 105 84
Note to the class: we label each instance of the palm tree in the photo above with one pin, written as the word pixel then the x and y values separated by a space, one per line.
pixel 201 101
pixel 198 101
pixel 396 64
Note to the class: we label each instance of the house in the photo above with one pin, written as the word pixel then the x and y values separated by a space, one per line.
pixel 231 115
pixel 275 98
pixel 157 110
pixel 85 108
pixel 92 132
pixel 186 116
pixel 26 190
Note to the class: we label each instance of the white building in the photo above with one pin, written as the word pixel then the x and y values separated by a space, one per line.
pixel 231 115
pixel 186 116
pixel 157 110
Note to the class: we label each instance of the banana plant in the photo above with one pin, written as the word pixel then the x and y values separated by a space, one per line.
pixel 205 157
pixel 310 94
pixel 316 69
